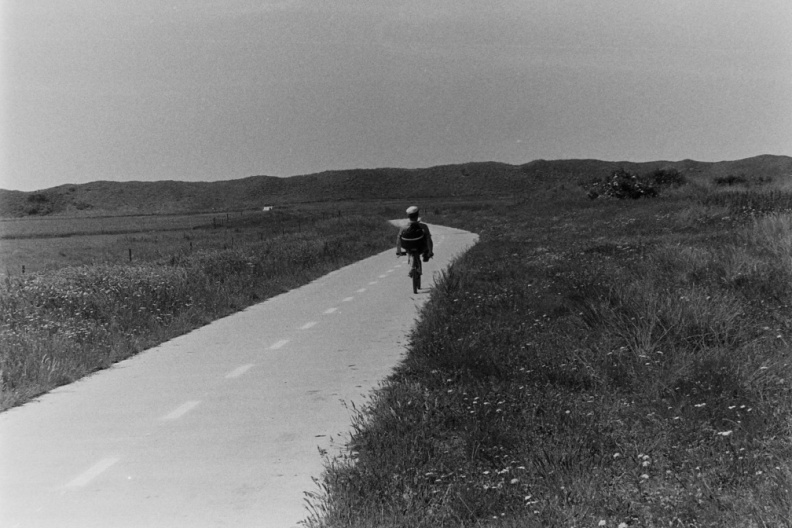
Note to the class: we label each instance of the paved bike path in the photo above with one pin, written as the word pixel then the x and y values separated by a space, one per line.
pixel 221 426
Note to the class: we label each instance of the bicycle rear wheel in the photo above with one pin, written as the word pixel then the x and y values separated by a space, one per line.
pixel 416 272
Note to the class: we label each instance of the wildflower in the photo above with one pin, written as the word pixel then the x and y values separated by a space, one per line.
pixel 725 433
pixel 602 523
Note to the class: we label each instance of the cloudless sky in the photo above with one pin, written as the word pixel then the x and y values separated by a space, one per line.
pixel 205 90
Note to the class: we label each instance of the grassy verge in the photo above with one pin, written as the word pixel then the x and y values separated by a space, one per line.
pixel 588 364
pixel 58 326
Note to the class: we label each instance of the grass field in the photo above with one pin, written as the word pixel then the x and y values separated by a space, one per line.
pixel 47 243
pixel 590 363
pixel 84 305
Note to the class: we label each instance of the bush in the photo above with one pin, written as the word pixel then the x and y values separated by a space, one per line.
pixel 741 179
pixel 621 185
pixel 668 178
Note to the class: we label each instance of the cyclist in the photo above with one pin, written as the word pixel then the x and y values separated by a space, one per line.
pixel 415 236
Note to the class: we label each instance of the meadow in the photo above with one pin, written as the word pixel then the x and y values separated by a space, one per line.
pixel 48 243
pixel 98 298
pixel 590 363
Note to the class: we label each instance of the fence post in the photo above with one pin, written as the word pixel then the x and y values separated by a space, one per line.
pixel 23 269
pixel 130 254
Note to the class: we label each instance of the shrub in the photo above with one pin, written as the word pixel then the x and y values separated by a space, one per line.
pixel 621 185
pixel 668 178
pixel 741 179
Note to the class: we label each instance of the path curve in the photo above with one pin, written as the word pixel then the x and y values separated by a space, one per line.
pixel 221 426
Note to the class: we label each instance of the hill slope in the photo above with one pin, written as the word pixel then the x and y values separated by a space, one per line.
pixel 464 180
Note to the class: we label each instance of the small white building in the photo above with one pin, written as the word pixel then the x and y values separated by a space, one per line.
pixel 267 208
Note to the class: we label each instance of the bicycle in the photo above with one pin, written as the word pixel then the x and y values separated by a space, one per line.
pixel 416 268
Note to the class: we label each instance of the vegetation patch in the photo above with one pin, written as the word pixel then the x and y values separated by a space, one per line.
pixel 57 326
pixel 623 184
pixel 618 364
pixel 741 179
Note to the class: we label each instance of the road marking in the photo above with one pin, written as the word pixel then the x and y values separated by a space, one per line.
pixel 330 310
pixel 306 326
pixel 372 283
pixel 382 276
pixel 391 270
pixel 181 410
pixel 279 344
pixel 239 371
pixel 361 290
pixel 91 473
pixel 347 299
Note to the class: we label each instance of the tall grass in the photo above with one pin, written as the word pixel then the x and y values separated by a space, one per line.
pixel 606 367
pixel 58 326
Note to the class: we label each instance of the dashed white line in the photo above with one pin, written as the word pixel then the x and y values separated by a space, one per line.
pixel 279 344
pixel 91 473
pixel 372 283
pixel 181 410
pixel 330 310
pixel 239 371
pixel 361 290
pixel 306 326
pixel 382 276
pixel 347 299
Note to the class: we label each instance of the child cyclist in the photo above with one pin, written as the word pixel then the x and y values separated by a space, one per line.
pixel 415 237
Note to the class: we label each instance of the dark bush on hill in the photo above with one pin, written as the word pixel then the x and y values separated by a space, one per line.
pixel 37 198
pixel 731 179
pixel 668 178
pixel 621 185
pixel 741 179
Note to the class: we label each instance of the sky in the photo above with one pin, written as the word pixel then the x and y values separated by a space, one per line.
pixel 200 90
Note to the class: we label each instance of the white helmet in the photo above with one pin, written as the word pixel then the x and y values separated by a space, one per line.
pixel 412 210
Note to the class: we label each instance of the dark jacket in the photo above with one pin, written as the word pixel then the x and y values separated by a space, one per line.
pixel 429 246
